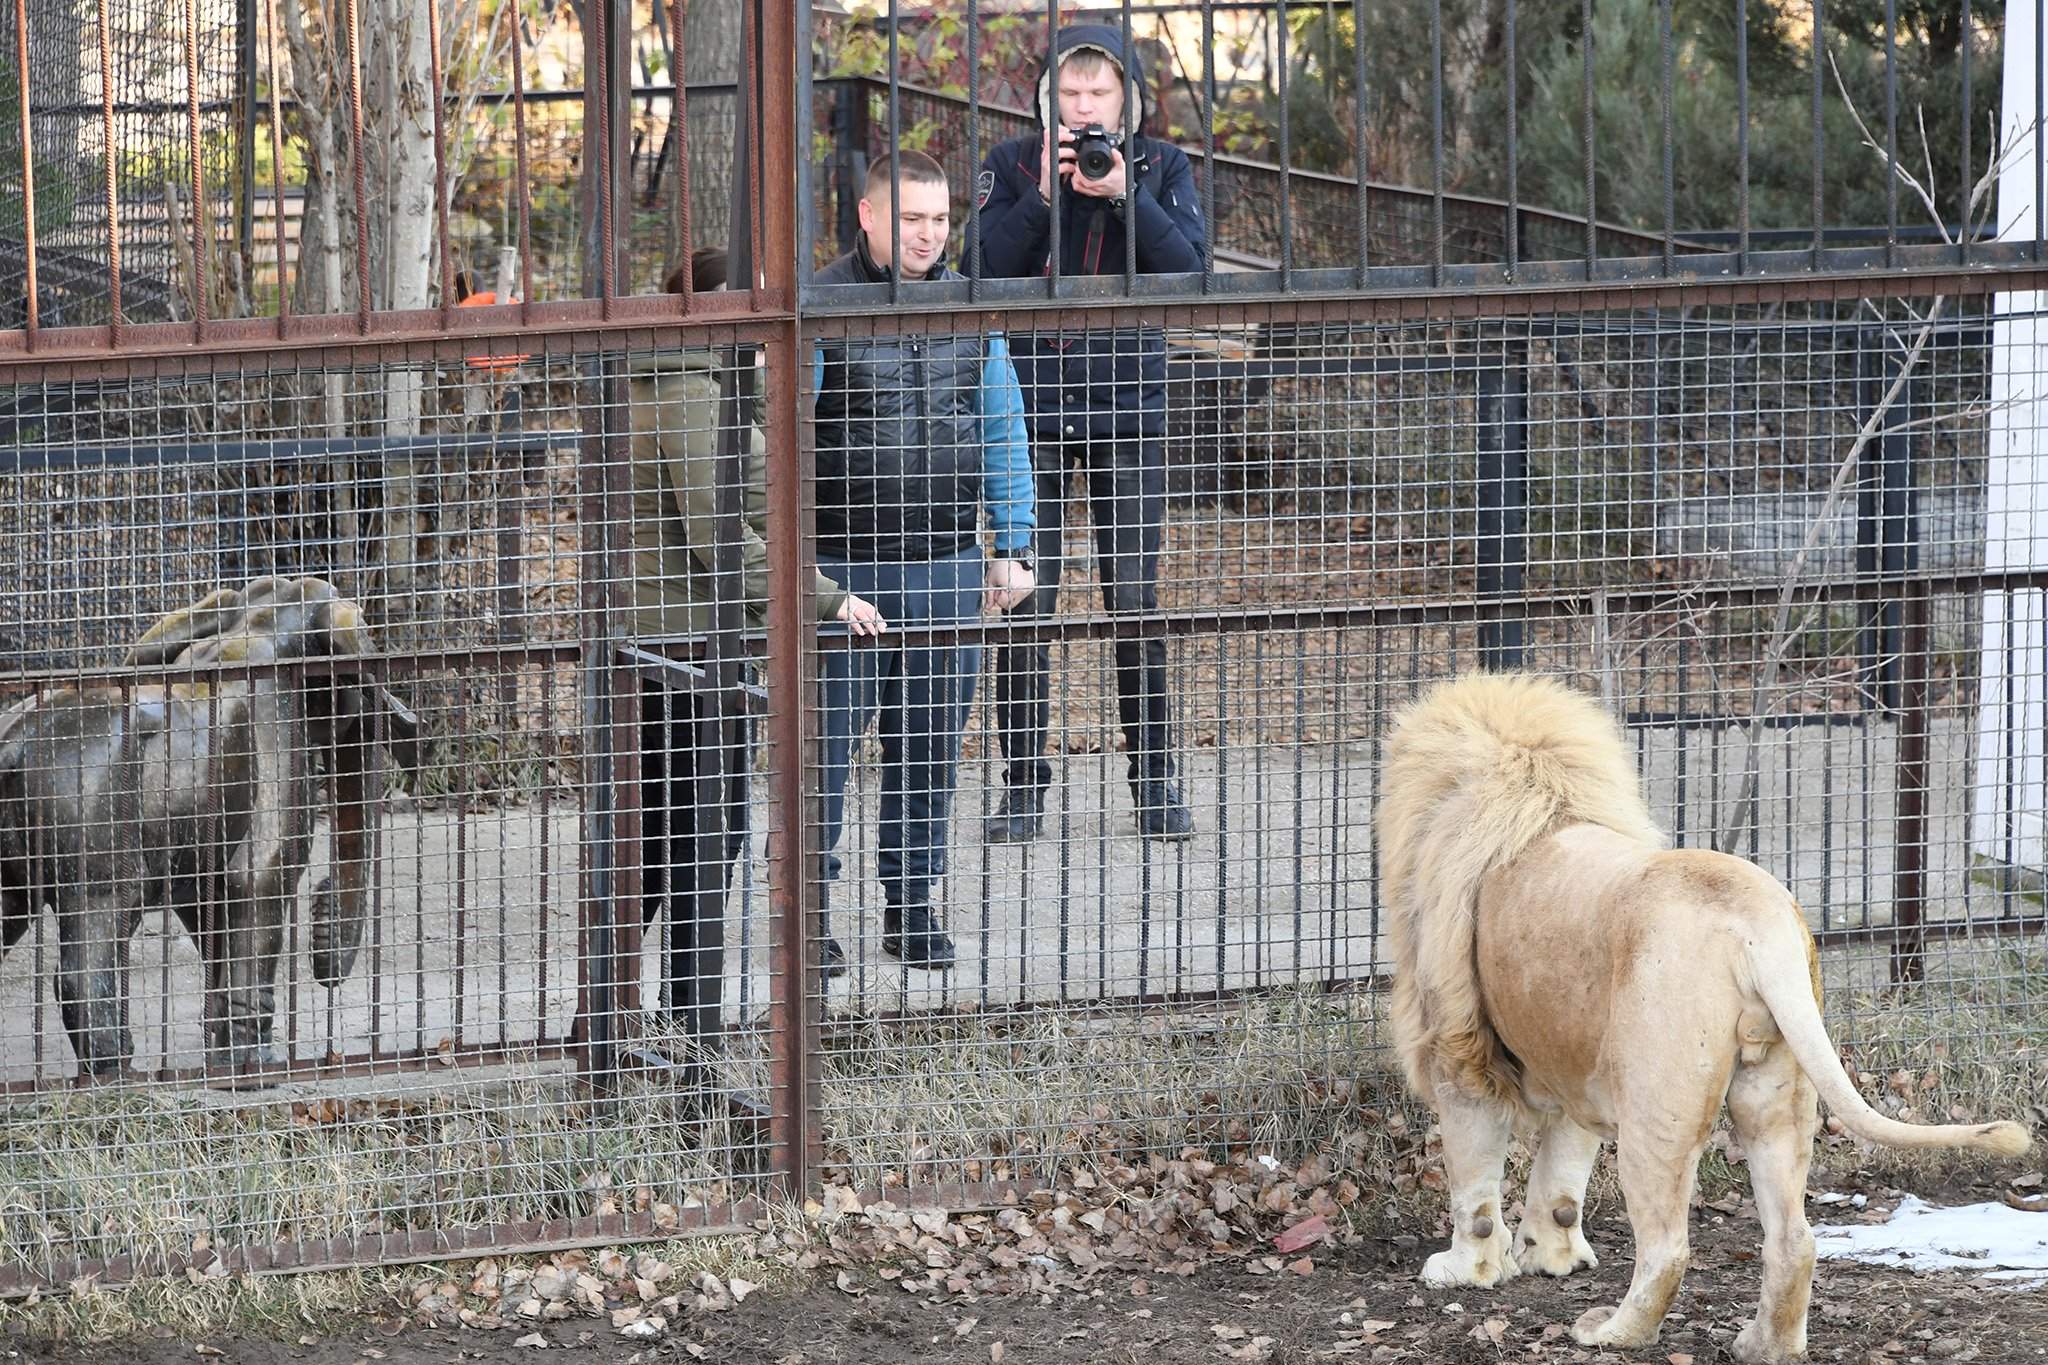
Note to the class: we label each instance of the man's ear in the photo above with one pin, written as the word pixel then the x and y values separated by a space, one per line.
pixel 866 211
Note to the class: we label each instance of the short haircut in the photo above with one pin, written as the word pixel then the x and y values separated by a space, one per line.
pixel 1085 61
pixel 912 168
pixel 706 269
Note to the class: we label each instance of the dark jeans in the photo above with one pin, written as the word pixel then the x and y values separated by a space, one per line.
pixel 918 694
pixel 1126 481
pixel 693 811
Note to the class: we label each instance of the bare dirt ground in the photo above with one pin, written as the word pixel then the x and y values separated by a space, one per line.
pixel 1359 1301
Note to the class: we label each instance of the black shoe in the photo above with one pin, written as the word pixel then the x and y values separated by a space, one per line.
pixel 1161 811
pixel 912 935
pixel 831 958
pixel 1019 819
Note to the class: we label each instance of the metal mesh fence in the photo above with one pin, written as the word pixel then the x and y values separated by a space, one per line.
pixel 575 769
pixel 120 105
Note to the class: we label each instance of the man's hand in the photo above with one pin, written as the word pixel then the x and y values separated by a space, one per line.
pixel 1111 186
pixel 861 617
pixel 1005 583
pixel 1048 160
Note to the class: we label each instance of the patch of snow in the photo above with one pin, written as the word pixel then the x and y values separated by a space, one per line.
pixel 1997 1242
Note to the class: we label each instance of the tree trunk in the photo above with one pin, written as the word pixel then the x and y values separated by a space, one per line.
pixel 711 42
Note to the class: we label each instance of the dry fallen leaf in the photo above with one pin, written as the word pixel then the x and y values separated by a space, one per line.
pixel 848 1285
pixel 534 1340
pixel 1679 1358
pixel 995 1353
pixel 1306 1233
pixel 739 1289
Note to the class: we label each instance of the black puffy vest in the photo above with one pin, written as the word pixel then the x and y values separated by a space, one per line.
pixel 899 440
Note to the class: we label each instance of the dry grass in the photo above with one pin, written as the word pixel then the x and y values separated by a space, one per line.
pixel 1019 1095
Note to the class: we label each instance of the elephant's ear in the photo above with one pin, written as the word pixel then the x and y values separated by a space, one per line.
pixel 163 642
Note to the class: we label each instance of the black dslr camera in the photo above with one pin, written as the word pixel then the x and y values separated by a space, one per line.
pixel 1095 151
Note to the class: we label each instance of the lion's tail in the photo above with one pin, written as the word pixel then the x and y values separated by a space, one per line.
pixel 1478 770
pixel 1789 996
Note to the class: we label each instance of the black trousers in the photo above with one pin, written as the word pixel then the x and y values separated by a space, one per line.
pixel 693 811
pixel 1125 478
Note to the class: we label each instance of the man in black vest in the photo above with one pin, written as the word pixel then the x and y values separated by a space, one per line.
pixel 915 434
pixel 1097 400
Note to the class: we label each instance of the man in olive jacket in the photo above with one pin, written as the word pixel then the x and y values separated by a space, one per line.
pixel 693 772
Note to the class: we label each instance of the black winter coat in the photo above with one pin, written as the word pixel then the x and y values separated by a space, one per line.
pixel 1105 381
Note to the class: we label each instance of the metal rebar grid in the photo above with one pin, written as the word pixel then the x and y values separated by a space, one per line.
pixel 477 864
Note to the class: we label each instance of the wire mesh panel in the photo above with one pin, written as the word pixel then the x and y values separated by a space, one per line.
pixel 308 777
pixel 512 761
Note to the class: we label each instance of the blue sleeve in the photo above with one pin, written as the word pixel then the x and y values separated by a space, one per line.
pixel 1016 225
pixel 1169 224
pixel 817 371
pixel 1007 487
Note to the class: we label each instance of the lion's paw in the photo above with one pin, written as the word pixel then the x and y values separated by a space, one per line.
pixel 1480 1267
pixel 1600 1327
pixel 1754 1346
pixel 1558 1256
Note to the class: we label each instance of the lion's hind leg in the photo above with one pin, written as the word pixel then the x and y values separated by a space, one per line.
pixel 1552 1238
pixel 1772 1104
pixel 1476 1133
pixel 1658 1155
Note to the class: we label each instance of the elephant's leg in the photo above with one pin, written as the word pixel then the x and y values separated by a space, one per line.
pixel 341 904
pixel 92 995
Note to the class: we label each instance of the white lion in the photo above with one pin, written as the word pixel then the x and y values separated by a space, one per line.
pixel 1559 970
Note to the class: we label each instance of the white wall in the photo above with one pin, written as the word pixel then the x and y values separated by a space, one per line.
pixel 2007 819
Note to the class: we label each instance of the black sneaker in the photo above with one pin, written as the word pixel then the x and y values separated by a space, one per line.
pixel 1161 811
pixel 1019 819
pixel 912 935
pixel 831 958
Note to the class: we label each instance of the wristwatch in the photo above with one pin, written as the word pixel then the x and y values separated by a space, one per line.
pixel 1027 557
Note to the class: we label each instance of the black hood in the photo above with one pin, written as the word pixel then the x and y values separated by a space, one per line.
pixel 1108 39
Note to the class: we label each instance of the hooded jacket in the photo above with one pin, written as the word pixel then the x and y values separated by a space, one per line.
pixel 1100 382
pixel 675 412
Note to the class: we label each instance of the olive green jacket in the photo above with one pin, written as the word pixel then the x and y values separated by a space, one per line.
pixel 675 502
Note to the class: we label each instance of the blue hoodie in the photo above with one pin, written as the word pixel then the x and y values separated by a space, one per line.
pixel 1102 382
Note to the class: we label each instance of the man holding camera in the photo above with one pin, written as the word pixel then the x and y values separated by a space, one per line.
pixel 1097 398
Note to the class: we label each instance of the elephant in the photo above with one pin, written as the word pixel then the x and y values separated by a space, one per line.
pixel 197 796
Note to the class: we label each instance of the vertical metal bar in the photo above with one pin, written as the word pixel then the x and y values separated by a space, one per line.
pixel 750 184
pixel 1670 142
pixel 2040 124
pixel 522 188
pixel 792 719
pixel 1051 116
pixel 1891 132
pixel 1966 226
pixel 599 905
pixel 245 149
pixel 603 200
pixel 194 149
pixel 32 313
pixel 355 146
pixel 1208 152
pixel 972 258
pixel 895 150
pixel 1820 61
pixel 1286 148
pixel 1503 501
pixel 113 191
pixel 1436 143
pixel 1359 165
pixel 1586 132
pixel 1130 129
pixel 1514 215
pixel 440 164
pixel 679 113
pixel 1741 145
pixel 806 116
pixel 1909 830
pixel 284 292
